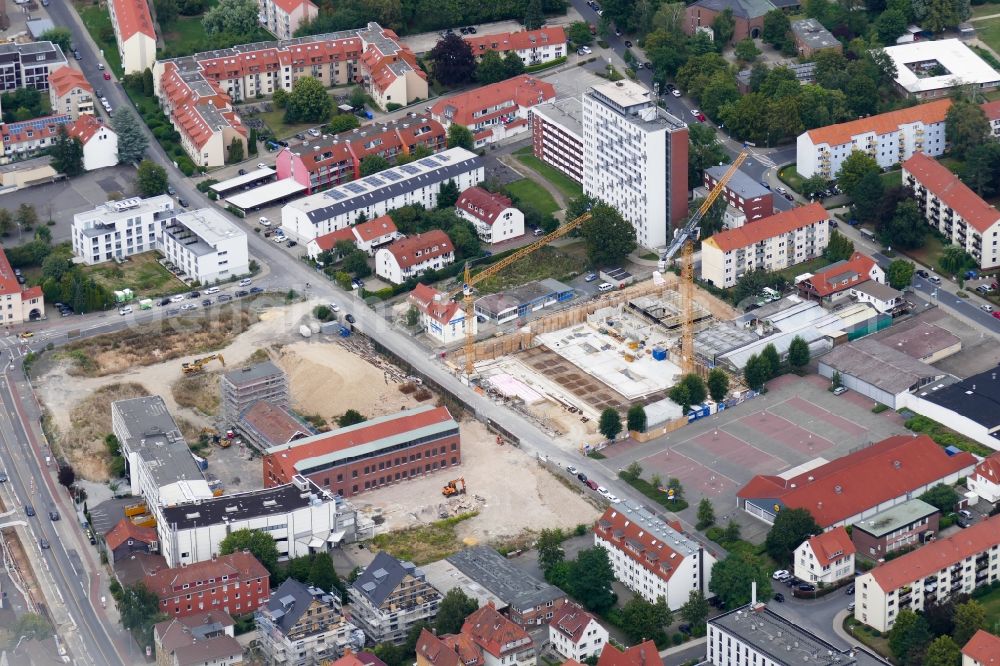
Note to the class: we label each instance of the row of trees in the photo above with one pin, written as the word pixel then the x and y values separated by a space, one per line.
pixel 692 389
pixel 936 636
pixel 763 367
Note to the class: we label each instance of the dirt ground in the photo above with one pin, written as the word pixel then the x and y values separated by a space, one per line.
pixel 516 493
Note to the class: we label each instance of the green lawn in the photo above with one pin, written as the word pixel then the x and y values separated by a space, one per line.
pixel 892 178
pixel 810 266
pixel 533 194
pixel 562 263
pixel 985 10
pixel 954 165
pixel 275 120
pixel 142 273
pixel 569 187
pixel 929 254
pixel 98 22
pixel 991 602
pixel 187 35
pixel 789 176
pixel 989 31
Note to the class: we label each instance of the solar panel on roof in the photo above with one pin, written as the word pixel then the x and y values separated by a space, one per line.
pixel 410 169
pixel 357 188
pixel 431 161
pixel 336 195
pixel 391 175
pixel 369 587
pixel 375 180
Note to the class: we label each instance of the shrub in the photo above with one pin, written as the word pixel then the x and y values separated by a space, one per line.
pixel 392 106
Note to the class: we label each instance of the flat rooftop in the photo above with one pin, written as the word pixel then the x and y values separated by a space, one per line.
pixel 210 226
pixel 880 365
pixel 567 112
pixel 813 34
pixel 153 434
pixel 252 374
pixel 101 219
pixel 919 340
pixel 495 573
pixel 740 183
pixel 976 398
pixel 245 179
pixel 445 576
pixel 634 102
pixel 918 65
pixel 894 518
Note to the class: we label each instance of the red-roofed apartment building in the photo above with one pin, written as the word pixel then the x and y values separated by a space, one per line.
pixel 953 209
pixel 236 584
pixel 958 564
pixel 70 92
pixel 25 138
pixel 134 34
pixel 644 654
pixel 834 282
pixel 368 237
pixel 487 638
pixel 283 17
pixel 378 452
pixel 534 47
pixel 18 305
pixel 576 634
pixel 494 216
pixel 772 243
pixel 411 256
pixel 860 484
pixel 496 111
pixel 333 160
pixel 985 481
pixel 825 558
pixel 983 649
pixel 652 558
pixel 100 143
pixel 442 318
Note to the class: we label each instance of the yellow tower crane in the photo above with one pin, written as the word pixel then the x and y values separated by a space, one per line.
pixel 469 281
pixel 684 240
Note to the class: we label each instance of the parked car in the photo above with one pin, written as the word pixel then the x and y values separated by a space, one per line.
pixel 986 308
pixel 256 290
pixel 241 293
pixel 996 315
pixel 685 628
pixel 571 469
pixel 291 243
pixel 779 597
pixel 628 43
pixel 590 277
pixel 806 587
pixel 840 390
pixel 612 498
pixel 850 607
pixel 172 312
pixel 44 544
pixel 223 298
pixel 780 574
pixel 177 299
pixel 3 477
pixel 850 589
pixel 29 510
pixel 592 485
pixel 350 318
pixel 934 279
pixel 261 165
pixel 194 294
pixel 924 274
pixel 206 302
pixel 582 477
pixel 264 222
pixel 182 203
pixel 983 289
pixel 189 306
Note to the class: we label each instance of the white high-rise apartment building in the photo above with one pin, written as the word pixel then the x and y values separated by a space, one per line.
pixel 206 246
pixel 118 229
pixel 635 158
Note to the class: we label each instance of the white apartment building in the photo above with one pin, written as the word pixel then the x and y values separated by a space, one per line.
pixel 414 183
pixel 576 634
pixel 70 92
pixel 772 243
pixel 890 138
pixel 206 246
pixel 100 143
pixel 825 558
pixel 635 158
pixel 955 210
pixel 134 34
pixel 931 574
pixel 119 229
pixel 283 17
pixel 533 47
pixel 441 318
pixel 557 135
pixel 985 480
pixel 652 558
pixel 408 257
pixel 493 215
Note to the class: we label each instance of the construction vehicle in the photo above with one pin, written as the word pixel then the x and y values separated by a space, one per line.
pixel 454 487
pixel 198 365
pixel 683 241
pixel 470 281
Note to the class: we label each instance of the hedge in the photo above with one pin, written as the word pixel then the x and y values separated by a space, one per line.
pixel 544 65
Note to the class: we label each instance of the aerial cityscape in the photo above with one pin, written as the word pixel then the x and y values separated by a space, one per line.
pixel 539 333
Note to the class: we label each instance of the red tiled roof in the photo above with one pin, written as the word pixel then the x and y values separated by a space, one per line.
pixel 327 242
pixel 571 621
pixel 493 632
pixel 644 548
pixel 989 468
pixel 125 530
pixel 442 310
pixel 133 17
pixel 273 423
pixel 992 110
pixel 30 293
pixel 176 632
pixel 644 654
pixel 861 480
pixel 430 245
pixel 289 6
pixel 858 264
pixel 40 128
pixel 524 91
pixel 433 649
pixel 240 566
pixel 831 546
pixel 468 652
pixel 8 281
pixel 84 127
pixel 372 229
pixel 66 78
pixel 984 648
pixel 953 192
pixel 483 205
pixel 768 227
pixel 883 123
pixel 516 41
pixel 937 555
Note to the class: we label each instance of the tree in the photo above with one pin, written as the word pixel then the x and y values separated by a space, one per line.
pixel 798 352
pixel 67 475
pixel 890 25
pixel 67 154
pixel 909 637
pixel 966 127
pixel 898 634
pixel 906 229
pixel 150 179
pixel 533 17
pixel 611 423
pixel 981 169
pixel 723 27
pixel 350 417
pixel 900 274
pixel 191 7
pixel 706 514
pixel 390 654
pixel 732 576
pixel 491 68
pixel 690 390
pixel 138 609
pixel 696 609
pixel 839 247
pixel 607 236
pixel 235 151
pixel 6 222
pixel 280 98
pixel 969 618
pixel 579 33
pixel 770 355
pixel 943 652
pixel 356 263
pixel 27 216
pixel 631 473
pixel 33 626
pixel 791 527
pixel 61 36
pixel 452 61
pixel 309 102
pixel 550 550
pixel 512 64
pixel 954 260
pixel 260 544
pixel 452 611
pixel 854 169
pixel 342 122
pixel 132 142
pixel 166 11
pixel 371 164
pixel 718 384
pixel 460 136
pixel 943 497
pixel 704 151
pixel 814 184
pixel 591 576
pixel 746 50
pixel 232 17
pixel 867 194
pixel 322 574
pixel 643 621
pixel 756 372
pixel 777 28
pixel 448 194
pixel 636 418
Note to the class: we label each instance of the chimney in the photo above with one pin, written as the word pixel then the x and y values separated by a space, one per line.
pixel 753 594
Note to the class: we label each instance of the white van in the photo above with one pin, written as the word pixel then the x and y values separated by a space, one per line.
pixel 605 287
pixel 246 282
pixel 124 310
pixel 212 290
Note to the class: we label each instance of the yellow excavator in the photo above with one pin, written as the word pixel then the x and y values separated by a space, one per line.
pixel 454 487
pixel 198 365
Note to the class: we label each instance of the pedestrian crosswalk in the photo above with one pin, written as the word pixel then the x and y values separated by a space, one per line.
pixel 764 159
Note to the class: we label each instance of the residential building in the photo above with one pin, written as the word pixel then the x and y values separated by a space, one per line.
pixel 205 639
pixel 29 65
pixel 27 138
pixel 411 256
pixel 119 229
pixel 880 296
pixel 927 69
pixel 854 487
pixel 134 34
pixel 529 601
pixel 206 246
pixel 533 47
pixel 635 158
pixel 17 304
pixel 263 425
pixel 969 407
pixel 992 111
pixel 576 634
pixel 557 135
pixel 833 283
pixel 643 654
pixel 754 634
pixel 826 558
pixel 375 453
pixel 905 525
pixel 447 650
pixel 136 567
pixel 302 517
pixel 328 161
pixel 931 574
pixel 368 237
pixel 742 192
pixel 441 318
pixel 501 641
pixel 983 649
pixel 69 92
pixel 890 138
pixel 985 481
pixel 389 597
pixel 302 625
pixel 811 38
pixel 410 184
pixel 520 302
pixel 493 215
pixel 748 17
pixel 494 112
pixel 100 143
pixel 243 387
pixel 283 17
pixel 235 584
pixel 773 243
pixel 955 210
pixel 127 538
